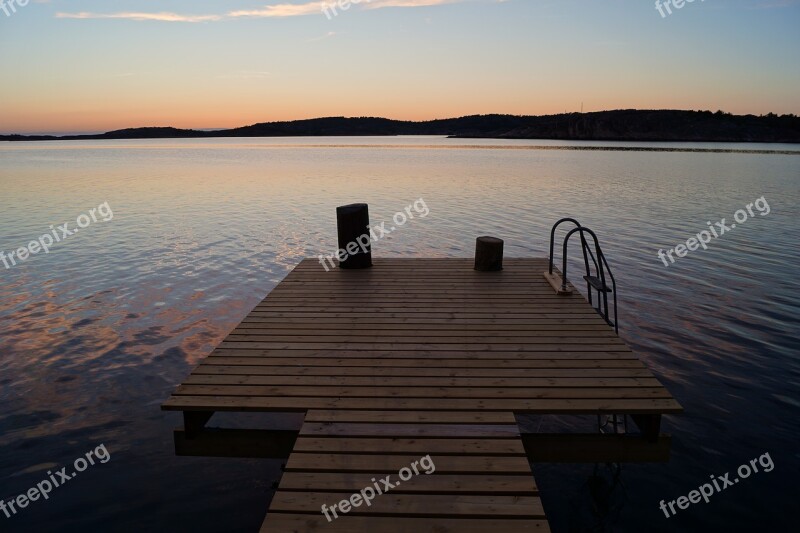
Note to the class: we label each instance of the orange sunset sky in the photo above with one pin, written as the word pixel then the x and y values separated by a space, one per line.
pixel 86 66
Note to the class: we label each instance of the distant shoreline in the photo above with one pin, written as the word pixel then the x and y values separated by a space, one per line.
pixel 684 149
pixel 559 147
pixel 609 126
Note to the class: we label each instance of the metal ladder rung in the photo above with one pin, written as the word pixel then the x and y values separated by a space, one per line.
pixel 597 283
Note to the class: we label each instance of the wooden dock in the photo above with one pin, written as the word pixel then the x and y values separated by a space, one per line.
pixel 418 357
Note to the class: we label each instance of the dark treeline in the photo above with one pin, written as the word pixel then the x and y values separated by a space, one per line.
pixel 621 125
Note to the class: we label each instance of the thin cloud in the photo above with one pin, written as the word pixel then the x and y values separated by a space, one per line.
pixel 283 10
pixel 160 17
pixel 378 4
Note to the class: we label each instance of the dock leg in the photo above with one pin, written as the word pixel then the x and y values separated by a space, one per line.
pixel 195 421
pixel 650 426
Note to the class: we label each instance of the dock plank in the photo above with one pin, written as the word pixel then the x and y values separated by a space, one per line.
pixel 484 447
pixel 377 381
pixel 417 505
pixel 428 484
pixel 540 406
pixel 297 523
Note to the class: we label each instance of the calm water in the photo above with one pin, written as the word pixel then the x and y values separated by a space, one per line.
pixel 95 334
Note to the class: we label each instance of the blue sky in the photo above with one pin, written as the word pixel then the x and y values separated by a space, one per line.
pixel 90 65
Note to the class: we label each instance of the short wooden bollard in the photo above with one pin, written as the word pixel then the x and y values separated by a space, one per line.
pixel 352 227
pixel 488 254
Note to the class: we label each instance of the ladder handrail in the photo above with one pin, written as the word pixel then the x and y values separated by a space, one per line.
pixel 613 291
pixel 601 269
pixel 584 247
pixel 580 229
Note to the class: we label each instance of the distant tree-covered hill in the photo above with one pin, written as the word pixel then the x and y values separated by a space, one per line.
pixel 620 125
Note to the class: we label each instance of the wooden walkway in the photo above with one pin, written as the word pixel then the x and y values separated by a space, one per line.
pixel 418 357
pixel 481 481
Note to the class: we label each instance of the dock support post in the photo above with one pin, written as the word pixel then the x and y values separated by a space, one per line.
pixel 488 254
pixel 352 227
pixel 195 421
pixel 650 426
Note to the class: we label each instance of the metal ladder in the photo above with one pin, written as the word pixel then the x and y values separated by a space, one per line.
pixel 602 271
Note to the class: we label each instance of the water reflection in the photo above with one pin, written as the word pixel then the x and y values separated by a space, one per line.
pixel 95 334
